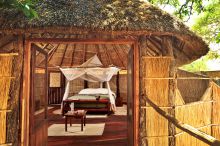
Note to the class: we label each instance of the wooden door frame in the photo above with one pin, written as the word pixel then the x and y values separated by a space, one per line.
pixel 32 127
pixel 25 99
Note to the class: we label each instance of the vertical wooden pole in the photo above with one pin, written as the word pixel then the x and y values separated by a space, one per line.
pixel 118 97
pixel 136 93
pixel 117 85
pixel 167 42
pixel 25 96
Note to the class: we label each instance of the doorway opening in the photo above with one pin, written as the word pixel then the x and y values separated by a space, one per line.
pixel 118 128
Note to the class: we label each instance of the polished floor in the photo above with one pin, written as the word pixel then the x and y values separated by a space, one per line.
pixel 115 131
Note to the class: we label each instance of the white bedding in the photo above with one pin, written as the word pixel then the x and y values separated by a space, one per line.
pixel 92 91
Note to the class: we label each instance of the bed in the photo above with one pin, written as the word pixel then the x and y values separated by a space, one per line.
pixel 90 99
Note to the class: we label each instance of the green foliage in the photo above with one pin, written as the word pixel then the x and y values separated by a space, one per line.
pixel 25 6
pixel 208 22
pixel 196 66
pixel 183 8
pixel 200 64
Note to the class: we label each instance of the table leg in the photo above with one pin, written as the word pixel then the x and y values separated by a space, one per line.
pixel 70 121
pixel 82 124
pixel 65 123
pixel 84 120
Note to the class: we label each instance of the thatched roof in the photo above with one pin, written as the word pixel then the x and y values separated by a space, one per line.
pixel 112 17
pixel 105 15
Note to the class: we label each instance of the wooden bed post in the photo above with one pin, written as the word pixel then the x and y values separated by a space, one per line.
pixel 118 99
pixel 85 84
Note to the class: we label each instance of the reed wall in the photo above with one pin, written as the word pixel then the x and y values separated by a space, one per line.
pixel 11 63
pixel 197 86
pixel 200 112
pixel 215 111
pixel 157 89
pixel 5 81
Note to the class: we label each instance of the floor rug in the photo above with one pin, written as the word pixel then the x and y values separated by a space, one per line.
pixel 75 130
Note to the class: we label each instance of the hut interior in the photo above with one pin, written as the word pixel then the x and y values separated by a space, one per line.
pixel 70 55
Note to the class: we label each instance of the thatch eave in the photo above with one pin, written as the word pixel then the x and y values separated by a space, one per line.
pixel 112 18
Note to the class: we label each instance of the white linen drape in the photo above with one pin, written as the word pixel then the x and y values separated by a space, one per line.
pixel 96 74
pixel 90 71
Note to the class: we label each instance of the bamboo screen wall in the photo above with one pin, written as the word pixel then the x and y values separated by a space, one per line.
pixel 160 85
pixel 11 63
pixel 5 80
pixel 157 89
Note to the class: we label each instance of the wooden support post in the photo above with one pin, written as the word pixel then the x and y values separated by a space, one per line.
pixel 118 98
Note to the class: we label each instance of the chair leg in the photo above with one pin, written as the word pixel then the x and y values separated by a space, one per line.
pixel 70 121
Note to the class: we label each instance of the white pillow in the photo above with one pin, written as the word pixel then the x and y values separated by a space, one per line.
pixel 94 91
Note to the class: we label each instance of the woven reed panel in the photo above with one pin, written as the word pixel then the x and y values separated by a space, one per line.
pixel 184 139
pixel 196 115
pixel 5 73
pixel 216 112
pixel 157 89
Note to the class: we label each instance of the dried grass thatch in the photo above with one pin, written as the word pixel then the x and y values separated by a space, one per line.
pixel 106 17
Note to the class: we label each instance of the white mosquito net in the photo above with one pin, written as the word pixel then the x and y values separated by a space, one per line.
pixel 90 71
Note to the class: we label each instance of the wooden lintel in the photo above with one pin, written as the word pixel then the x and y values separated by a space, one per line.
pixel 81 41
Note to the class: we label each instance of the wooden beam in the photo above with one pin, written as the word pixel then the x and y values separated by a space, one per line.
pixel 122 63
pixel 151 47
pixel 64 55
pixel 8 54
pixel 84 52
pixel 73 53
pixel 109 56
pixel 6 40
pixel 98 53
pixel 184 127
pixel 81 41
pixel 51 52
